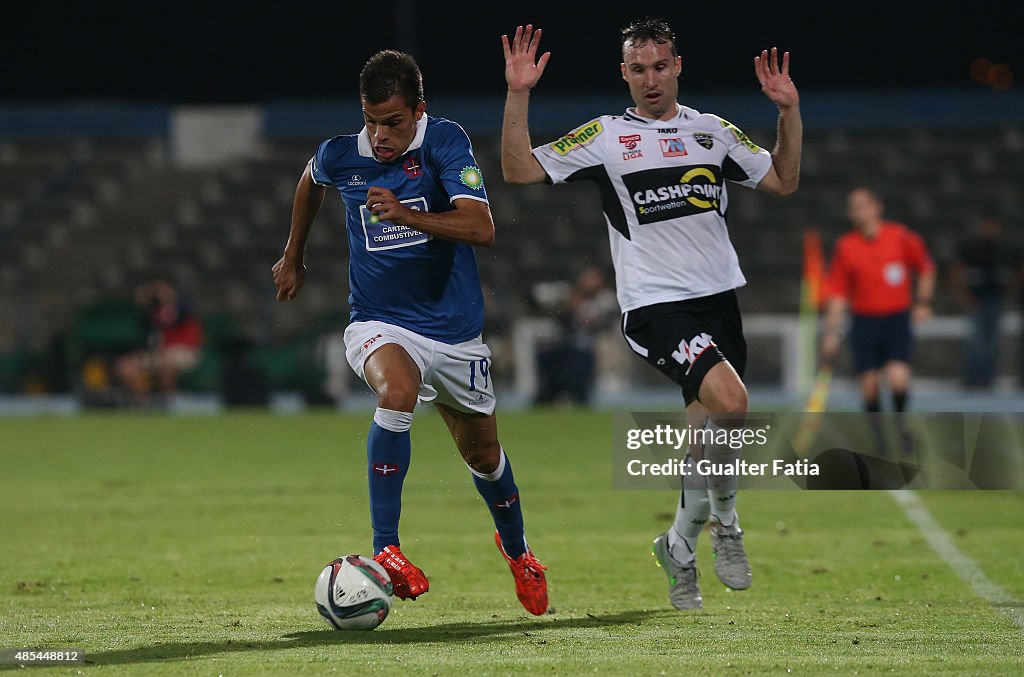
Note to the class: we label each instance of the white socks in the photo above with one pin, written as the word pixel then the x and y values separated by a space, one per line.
pixel 691 515
pixel 722 488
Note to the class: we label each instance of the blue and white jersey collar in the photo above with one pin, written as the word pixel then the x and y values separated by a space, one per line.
pixel 366 148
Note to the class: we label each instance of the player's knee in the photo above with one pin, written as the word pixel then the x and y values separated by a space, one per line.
pixel 397 396
pixel 735 402
pixel 483 458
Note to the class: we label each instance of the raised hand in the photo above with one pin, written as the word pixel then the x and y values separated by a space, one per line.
pixel 522 68
pixel 775 82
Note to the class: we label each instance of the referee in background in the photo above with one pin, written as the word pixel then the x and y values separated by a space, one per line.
pixel 870 275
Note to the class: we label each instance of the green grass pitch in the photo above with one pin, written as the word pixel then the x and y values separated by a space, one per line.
pixel 190 545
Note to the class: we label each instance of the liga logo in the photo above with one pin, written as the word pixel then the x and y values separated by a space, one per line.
pixel 578 138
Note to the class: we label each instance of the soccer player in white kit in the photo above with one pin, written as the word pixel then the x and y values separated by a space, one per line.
pixel 661 170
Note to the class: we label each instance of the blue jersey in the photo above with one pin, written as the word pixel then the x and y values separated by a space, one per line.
pixel 397 274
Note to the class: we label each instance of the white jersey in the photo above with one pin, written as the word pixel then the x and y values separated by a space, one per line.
pixel 662 185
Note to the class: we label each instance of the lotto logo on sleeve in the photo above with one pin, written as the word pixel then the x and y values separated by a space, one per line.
pixel 381 235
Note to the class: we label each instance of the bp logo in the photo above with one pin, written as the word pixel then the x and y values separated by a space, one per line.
pixel 471 177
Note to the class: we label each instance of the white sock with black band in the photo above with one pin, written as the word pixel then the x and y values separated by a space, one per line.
pixel 691 515
pixel 722 488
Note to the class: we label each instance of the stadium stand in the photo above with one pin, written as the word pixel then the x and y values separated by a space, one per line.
pixel 84 219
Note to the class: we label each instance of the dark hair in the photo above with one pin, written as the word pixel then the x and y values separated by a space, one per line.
pixel 390 73
pixel 644 30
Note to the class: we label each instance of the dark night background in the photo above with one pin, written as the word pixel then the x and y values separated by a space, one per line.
pixel 304 51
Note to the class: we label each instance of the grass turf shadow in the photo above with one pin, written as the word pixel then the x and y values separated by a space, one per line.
pixel 448 632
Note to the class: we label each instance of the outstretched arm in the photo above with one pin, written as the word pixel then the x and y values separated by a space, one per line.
pixel 522 71
pixel 290 271
pixel 783 177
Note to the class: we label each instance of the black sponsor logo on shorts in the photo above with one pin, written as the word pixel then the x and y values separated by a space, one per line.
pixel 670 193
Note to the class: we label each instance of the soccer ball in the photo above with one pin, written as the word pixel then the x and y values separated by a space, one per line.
pixel 353 593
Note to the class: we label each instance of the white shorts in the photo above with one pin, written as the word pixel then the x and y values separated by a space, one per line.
pixel 454 375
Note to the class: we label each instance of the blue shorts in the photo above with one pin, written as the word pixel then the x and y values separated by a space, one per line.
pixel 877 339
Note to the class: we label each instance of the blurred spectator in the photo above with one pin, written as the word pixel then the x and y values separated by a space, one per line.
pixel 174 339
pixel 567 367
pixel 984 274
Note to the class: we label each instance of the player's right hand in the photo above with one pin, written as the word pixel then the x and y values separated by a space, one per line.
pixel 829 347
pixel 522 68
pixel 288 278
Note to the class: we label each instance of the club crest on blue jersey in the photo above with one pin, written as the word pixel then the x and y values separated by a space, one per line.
pixel 413 168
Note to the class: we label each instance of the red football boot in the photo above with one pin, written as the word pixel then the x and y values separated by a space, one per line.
pixel 408 579
pixel 531 586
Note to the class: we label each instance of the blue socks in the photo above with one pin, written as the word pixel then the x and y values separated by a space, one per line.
pixel 499 491
pixel 388 449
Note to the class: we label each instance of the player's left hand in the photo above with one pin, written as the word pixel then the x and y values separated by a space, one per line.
pixel 383 204
pixel 775 81
pixel 922 312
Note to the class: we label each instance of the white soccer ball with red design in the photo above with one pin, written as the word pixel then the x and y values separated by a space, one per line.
pixel 353 593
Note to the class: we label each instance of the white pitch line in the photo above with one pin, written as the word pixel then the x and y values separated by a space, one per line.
pixel 962 565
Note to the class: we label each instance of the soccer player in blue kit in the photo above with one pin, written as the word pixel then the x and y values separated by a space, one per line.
pixel 415 206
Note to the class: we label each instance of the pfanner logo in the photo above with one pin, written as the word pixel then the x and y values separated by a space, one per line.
pixel 579 138
pixel 667 193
